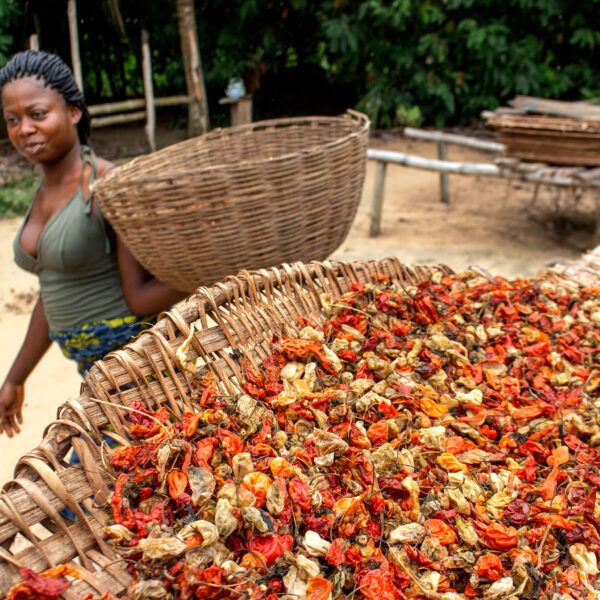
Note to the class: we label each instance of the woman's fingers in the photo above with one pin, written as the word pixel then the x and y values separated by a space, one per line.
pixel 11 426
pixel 19 405
pixel 11 409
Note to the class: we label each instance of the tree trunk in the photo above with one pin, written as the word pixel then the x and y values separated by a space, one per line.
pixel 194 77
pixel 74 38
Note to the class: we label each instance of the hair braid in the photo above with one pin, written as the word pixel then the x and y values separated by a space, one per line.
pixel 53 71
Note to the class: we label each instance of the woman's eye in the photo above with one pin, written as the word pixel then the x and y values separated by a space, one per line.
pixel 10 121
pixel 38 115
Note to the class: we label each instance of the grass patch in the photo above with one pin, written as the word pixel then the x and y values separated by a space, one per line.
pixel 16 194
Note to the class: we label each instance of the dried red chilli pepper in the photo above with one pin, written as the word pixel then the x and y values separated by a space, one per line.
pixel 122 515
pixel 510 479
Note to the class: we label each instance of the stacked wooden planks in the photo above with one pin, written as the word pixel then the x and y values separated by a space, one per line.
pixel 550 131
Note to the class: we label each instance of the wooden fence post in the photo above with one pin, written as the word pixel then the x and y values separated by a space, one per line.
pixel 444 188
pixel 148 92
pixel 74 37
pixel 194 78
pixel 380 172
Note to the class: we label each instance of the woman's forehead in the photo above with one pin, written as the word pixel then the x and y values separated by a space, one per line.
pixel 29 89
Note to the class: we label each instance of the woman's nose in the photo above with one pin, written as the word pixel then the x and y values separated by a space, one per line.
pixel 27 126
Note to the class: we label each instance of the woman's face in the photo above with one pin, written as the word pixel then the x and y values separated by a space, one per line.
pixel 40 124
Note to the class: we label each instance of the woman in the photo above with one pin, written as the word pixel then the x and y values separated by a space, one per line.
pixel 93 293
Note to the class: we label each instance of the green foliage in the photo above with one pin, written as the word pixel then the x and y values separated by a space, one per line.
pixel 16 194
pixel 9 11
pixel 454 58
pixel 439 62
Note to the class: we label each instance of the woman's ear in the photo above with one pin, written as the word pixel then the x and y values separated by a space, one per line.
pixel 75 113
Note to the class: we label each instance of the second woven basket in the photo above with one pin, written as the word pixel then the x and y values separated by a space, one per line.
pixel 246 197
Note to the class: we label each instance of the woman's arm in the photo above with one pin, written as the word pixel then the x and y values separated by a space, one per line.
pixel 34 346
pixel 144 294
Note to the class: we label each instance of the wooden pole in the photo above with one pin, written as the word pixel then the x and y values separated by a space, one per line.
pixel 74 37
pixel 124 105
pixel 148 92
pixel 489 169
pixel 451 138
pixel 241 109
pixel 198 109
pixel 380 172
pixel 444 187
pixel 34 42
pixel 118 119
pixel 383 157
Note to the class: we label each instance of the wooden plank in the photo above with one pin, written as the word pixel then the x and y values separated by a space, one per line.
pixel 562 125
pixel 34 42
pixel 452 138
pixel 575 110
pixel 553 149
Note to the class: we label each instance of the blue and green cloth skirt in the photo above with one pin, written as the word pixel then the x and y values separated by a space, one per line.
pixel 92 341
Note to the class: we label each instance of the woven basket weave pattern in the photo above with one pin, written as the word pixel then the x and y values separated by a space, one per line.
pixel 246 197
pixel 240 313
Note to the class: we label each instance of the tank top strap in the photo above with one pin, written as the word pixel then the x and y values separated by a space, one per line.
pixel 89 158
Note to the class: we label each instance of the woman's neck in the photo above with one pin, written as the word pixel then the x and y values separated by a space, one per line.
pixel 65 169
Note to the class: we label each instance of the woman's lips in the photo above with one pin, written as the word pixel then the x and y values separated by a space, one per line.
pixel 33 148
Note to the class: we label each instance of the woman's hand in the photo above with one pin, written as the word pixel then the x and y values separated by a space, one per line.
pixel 11 408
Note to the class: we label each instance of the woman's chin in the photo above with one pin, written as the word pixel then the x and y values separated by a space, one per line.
pixel 36 154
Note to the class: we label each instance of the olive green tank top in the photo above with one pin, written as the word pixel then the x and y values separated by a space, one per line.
pixel 76 263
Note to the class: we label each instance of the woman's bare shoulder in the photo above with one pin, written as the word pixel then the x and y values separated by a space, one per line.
pixel 103 166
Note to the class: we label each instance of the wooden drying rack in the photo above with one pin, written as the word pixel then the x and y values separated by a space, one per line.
pixel 505 167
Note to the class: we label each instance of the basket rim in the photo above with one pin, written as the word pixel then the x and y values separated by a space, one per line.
pixel 130 172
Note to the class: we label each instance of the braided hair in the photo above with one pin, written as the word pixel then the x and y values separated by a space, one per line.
pixel 53 71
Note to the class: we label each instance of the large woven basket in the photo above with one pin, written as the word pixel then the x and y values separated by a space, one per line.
pixel 239 313
pixel 247 197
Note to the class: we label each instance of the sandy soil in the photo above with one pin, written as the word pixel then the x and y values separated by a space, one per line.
pixel 487 224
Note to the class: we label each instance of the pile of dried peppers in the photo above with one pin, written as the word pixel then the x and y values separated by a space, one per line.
pixel 439 441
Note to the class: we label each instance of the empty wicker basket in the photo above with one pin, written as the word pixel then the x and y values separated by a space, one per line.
pixel 247 197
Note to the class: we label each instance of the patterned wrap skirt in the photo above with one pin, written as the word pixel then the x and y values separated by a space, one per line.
pixel 91 342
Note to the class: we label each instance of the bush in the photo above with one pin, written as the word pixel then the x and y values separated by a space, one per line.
pixel 439 62
pixel 452 59
pixel 16 194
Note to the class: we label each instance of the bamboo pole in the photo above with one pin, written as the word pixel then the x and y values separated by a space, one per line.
pixel 125 105
pixel 34 42
pixel 489 169
pixel 451 138
pixel 118 119
pixel 148 92
pixel 74 37
pixel 460 168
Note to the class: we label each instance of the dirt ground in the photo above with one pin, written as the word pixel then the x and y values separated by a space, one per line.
pixel 487 223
